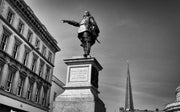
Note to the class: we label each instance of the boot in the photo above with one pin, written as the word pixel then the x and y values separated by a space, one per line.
pixel 85 55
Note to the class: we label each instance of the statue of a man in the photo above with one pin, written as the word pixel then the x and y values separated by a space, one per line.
pixel 87 33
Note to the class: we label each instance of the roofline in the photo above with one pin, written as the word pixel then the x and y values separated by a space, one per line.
pixel 58 82
pixel 29 15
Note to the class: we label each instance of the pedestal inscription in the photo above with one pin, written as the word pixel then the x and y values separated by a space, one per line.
pixel 78 74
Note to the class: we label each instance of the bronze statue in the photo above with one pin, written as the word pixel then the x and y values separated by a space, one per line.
pixel 87 33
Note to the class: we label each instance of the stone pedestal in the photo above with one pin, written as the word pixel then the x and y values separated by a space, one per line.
pixel 81 89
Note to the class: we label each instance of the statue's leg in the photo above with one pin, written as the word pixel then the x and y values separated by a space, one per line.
pixel 88 47
pixel 87 44
pixel 85 51
pixel 81 38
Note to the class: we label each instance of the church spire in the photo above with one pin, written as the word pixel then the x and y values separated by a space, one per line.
pixel 129 106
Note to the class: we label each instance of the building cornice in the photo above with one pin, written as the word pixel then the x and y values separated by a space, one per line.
pixel 34 22
pixel 57 81
pixel 31 46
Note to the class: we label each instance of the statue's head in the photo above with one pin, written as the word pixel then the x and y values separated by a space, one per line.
pixel 86 13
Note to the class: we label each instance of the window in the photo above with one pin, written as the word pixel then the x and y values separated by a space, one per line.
pixel 16 48
pixel 41 68
pixel 4 40
pixel 47 73
pixel 37 44
pixel 37 95
pixel 20 85
pixel 1 67
pixel 20 27
pixel 54 97
pixel 10 16
pixel 44 51
pixel 44 98
pixel 34 62
pixel 29 91
pixel 49 56
pixel 29 36
pixel 9 80
pixel 26 56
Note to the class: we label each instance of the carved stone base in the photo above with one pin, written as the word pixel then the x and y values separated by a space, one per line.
pixel 78 100
pixel 81 89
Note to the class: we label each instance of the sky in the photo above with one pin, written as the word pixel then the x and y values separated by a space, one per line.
pixel 144 32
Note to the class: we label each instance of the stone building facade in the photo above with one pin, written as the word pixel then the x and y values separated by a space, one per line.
pixel 27 52
pixel 56 89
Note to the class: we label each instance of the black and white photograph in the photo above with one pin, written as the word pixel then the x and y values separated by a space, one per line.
pixel 89 55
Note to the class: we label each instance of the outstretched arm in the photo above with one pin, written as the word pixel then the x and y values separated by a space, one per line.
pixel 74 23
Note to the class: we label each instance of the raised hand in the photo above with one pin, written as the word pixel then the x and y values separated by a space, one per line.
pixel 64 21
